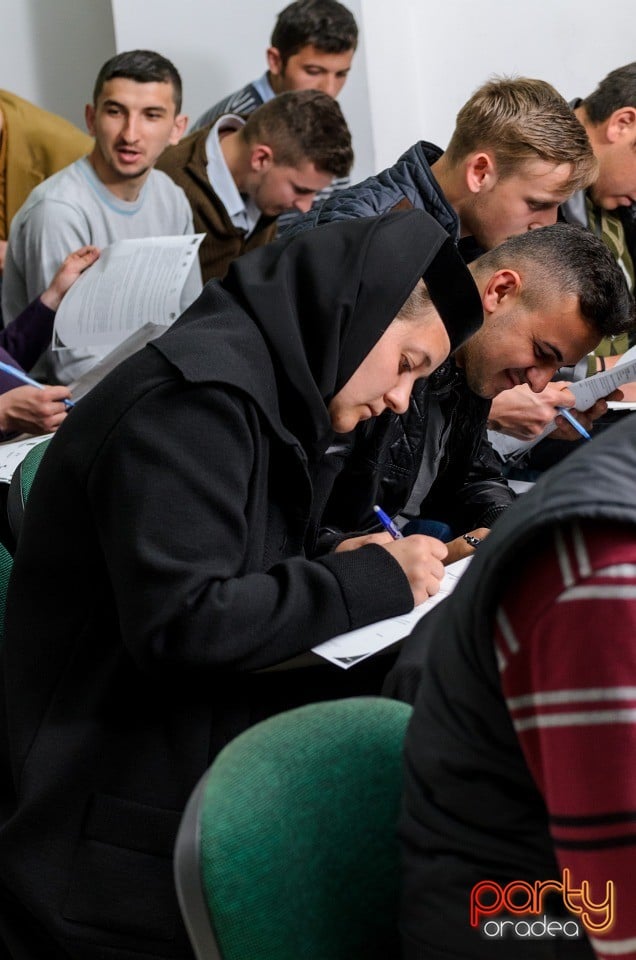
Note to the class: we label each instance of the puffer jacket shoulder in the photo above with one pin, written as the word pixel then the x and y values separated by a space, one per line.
pixel 410 182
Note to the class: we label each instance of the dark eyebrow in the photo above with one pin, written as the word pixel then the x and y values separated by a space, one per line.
pixel 121 106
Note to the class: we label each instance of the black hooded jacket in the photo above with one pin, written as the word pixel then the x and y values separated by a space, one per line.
pixel 162 563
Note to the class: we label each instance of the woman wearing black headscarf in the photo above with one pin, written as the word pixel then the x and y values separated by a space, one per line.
pixel 165 540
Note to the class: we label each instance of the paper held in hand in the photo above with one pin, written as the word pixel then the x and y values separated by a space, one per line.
pixel 586 391
pixel 134 282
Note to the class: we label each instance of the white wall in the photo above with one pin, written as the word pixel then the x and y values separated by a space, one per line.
pixel 51 50
pixel 426 60
pixel 219 46
pixel 417 63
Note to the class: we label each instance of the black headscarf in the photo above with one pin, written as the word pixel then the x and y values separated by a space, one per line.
pixel 323 298
pixel 321 301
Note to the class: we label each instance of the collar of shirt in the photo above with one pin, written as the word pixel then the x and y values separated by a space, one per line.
pixel 264 88
pixel 242 211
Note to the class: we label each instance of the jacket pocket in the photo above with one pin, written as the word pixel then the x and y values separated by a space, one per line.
pixel 121 877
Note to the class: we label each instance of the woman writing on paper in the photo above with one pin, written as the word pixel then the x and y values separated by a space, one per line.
pixel 179 498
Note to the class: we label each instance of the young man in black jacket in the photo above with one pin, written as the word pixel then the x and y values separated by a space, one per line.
pixel 432 461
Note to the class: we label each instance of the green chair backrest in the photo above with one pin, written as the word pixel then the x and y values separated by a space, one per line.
pixel 20 485
pixel 6 563
pixel 298 853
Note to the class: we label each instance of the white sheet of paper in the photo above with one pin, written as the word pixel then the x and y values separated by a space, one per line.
pixel 347 649
pixel 134 282
pixel 13 452
pixel 588 391
pixel 621 405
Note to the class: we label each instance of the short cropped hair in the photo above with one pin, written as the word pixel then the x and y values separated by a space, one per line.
pixel 142 66
pixel 418 300
pixel 521 119
pixel 324 24
pixel 303 125
pixel 617 90
pixel 565 259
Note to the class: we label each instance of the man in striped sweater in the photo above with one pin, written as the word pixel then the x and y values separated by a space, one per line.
pixel 521 754
pixel 311 48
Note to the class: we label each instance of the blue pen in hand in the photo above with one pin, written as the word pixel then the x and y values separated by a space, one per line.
pixel 575 423
pixel 21 375
pixel 387 523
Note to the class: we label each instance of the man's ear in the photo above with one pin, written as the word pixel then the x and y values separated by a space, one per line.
pixel 502 284
pixel 89 117
pixel 275 63
pixel 622 123
pixel 480 172
pixel 178 128
pixel 261 157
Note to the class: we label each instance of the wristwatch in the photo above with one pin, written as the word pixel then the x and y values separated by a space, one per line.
pixel 473 541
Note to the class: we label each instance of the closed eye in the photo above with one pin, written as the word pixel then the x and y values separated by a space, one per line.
pixel 550 355
pixel 538 205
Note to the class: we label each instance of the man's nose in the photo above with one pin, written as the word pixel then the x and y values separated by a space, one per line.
pixel 328 84
pixel 538 378
pixel 130 131
pixel 304 203
pixel 543 218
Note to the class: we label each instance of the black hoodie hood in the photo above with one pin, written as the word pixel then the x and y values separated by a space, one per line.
pixel 320 301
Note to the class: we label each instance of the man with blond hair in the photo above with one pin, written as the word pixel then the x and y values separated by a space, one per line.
pixel 516 153
pixel 608 208
pixel 240 175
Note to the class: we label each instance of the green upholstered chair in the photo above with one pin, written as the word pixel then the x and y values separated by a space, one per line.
pixel 6 563
pixel 288 849
pixel 20 485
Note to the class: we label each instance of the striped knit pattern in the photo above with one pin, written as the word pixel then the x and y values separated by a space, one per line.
pixel 243 102
pixel 566 645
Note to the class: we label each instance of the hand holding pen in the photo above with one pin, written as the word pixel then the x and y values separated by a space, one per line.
pixel 421 558
pixel 564 412
pixel 33 408
pixel 24 378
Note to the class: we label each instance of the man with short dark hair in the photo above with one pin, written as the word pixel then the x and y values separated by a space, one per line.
pixel 549 296
pixel 608 206
pixel 311 48
pixel 113 194
pixel 240 175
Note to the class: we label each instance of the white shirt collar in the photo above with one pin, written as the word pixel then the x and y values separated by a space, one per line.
pixel 242 211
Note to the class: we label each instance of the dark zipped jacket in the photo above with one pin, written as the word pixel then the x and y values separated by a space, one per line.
pixel 472 810
pixel 442 438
